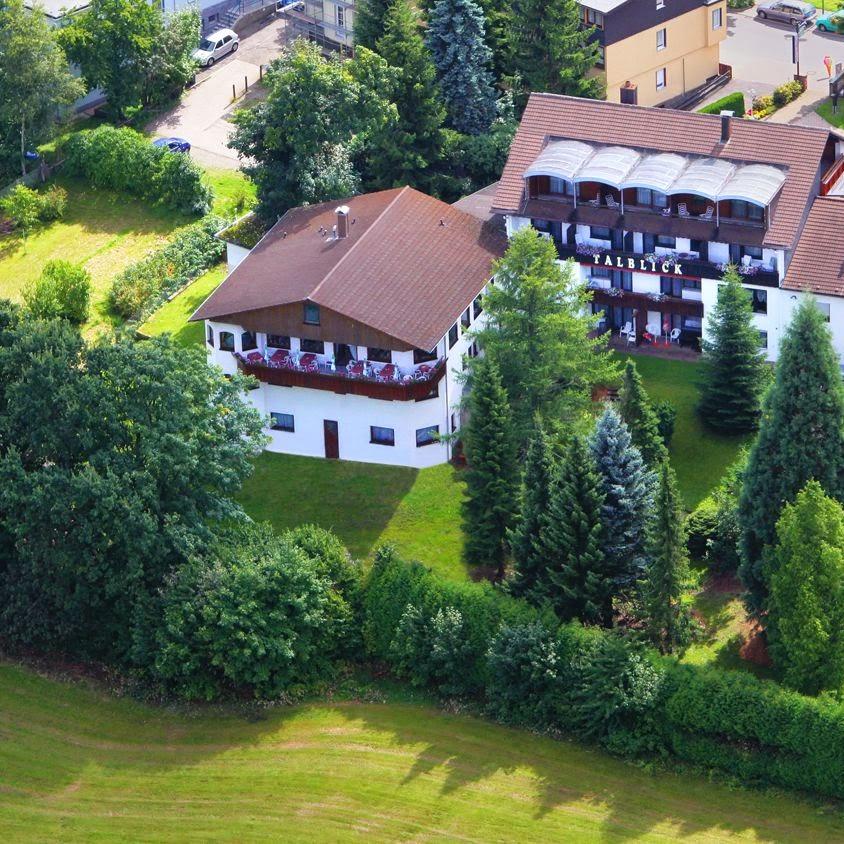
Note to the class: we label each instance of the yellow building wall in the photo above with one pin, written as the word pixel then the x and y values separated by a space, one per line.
pixel 691 56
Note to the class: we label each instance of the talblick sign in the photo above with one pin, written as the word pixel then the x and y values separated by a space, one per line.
pixel 603 259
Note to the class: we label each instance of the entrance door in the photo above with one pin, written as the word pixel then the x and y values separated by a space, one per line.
pixel 342 354
pixel 332 438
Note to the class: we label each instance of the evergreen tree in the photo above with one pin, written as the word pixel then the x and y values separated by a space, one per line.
pixel 733 365
pixel 527 537
pixel 462 59
pixel 492 476
pixel 668 618
pixel 403 151
pixel 640 417
pixel 370 17
pixel 628 488
pixel 551 50
pixel 800 438
pixel 575 578
pixel 805 621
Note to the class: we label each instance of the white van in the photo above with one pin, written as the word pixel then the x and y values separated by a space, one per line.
pixel 216 45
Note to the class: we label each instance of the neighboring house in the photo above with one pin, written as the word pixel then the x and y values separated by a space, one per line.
pixel 651 204
pixel 329 23
pixel 353 317
pixel 656 50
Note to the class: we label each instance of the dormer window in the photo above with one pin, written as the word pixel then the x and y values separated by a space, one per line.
pixel 311 314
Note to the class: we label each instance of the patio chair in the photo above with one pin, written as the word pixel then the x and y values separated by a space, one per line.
pixel 666 212
pixel 674 337
pixel 745 260
pixel 627 330
pixel 611 203
pixel 707 215
pixel 683 210
pixel 595 203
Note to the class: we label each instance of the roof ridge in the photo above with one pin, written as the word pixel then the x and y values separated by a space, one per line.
pixel 357 243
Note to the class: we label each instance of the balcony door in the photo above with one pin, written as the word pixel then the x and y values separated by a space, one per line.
pixel 332 439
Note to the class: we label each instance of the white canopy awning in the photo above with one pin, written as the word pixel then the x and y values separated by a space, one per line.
pixel 561 159
pixel 704 177
pixel 758 183
pixel 657 172
pixel 609 166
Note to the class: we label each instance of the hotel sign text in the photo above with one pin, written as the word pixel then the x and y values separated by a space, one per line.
pixel 642 264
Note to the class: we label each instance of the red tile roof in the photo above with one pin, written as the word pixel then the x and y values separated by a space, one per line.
pixel 818 262
pixel 409 267
pixel 550 116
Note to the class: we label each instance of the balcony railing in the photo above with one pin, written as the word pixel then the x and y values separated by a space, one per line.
pixel 407 384
pixel 676 265
pixel 646 301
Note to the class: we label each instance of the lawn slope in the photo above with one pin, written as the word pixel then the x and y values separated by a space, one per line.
pixel 76 765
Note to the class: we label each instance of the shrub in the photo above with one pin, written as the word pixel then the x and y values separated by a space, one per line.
pixel 192 250
pixel 701 525
pixel 124 160
pixel 739 4
pixel 785 93
pixel 252 614
pixel 666 415
pixel 63 291
pixel 53 203
pixel 732 102
pixel 22 206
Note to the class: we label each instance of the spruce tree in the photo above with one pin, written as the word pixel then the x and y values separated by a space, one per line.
pixel 575 579
pixel 492 476
pixel 370 16
pixel 733 367
pixel 404 149
pixel 527 537
pixel 801 437
pixel 462 58
pixel 668 619
pixel 550 49
pixel 640 417
pixel 628 487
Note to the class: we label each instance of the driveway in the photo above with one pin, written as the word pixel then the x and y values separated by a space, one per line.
pixel 203 116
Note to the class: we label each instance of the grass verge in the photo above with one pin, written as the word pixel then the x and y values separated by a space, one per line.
pixel 81 766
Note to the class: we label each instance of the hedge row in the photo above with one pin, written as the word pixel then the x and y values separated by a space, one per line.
pixel 124 160
pixel 732 102
pixel 532 672
pixel 144 284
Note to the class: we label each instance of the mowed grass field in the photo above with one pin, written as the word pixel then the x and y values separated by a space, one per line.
pixel 77 765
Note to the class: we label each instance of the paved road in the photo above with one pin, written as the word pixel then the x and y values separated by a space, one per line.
pixel 203 115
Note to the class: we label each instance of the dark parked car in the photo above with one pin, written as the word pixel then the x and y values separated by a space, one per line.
pixel 173 144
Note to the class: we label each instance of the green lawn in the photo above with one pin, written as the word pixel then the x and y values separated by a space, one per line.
pixel 233 192
pixel 699 456
pixel 172 317
pixel 418 511
pixel 103 230
pixel 78 765
pixel 825 111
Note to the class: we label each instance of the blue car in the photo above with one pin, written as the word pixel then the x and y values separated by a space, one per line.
pixel 831 22
pixel 173 144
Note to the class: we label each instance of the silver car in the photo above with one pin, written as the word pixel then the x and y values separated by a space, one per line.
pixel 216 45
pixel 787 11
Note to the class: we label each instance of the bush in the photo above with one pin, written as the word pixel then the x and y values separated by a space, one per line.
pixel 22 206
pixel 124 160
pixel 786 92
pixel 732 102
pixel 192 251
pixel 63 291
pixel 666 415
pixel 701 525
pixel 53 203
pixel 254 614
pixel 739 4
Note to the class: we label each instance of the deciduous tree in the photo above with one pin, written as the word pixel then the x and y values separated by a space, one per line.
pixel 801 437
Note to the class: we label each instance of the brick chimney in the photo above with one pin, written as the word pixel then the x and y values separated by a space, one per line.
pixel 342 221
pixel 629 93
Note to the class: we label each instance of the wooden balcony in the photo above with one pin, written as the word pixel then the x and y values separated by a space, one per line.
pixel 337 381
pixel 645 302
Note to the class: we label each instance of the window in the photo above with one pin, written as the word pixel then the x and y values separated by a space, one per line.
pixel 759 301
pixel 600 233
pixel 763 339
pixel 427 436
pixel 341 17
pixel 247 341
pixel 466 318
pixel 691 284
pixel 717 18
pixel 660 79
pixel 601 58
pixel 278 341
pixel 752 251
pixel 311 313
pixel 477 307
pixel 661 39
pixel 315 347
pixel 282 422
pixel 593 18
pixel 754 211
pixel 644 196
pixel 601 272
pixel 226 341
pixel 670 286
pixel 382 436
pixel 209 336
pixel 421 356
pixel 823 307
pixel 666 241
pixel 452 335
pixel 560 186
pixel 379 355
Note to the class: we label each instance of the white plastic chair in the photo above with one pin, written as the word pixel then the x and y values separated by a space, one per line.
pixel 627 330
pixel 707 215
pixel 674 337
pixel 683 210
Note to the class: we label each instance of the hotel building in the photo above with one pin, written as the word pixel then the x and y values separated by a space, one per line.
pixel 652 204
pixel 354 318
